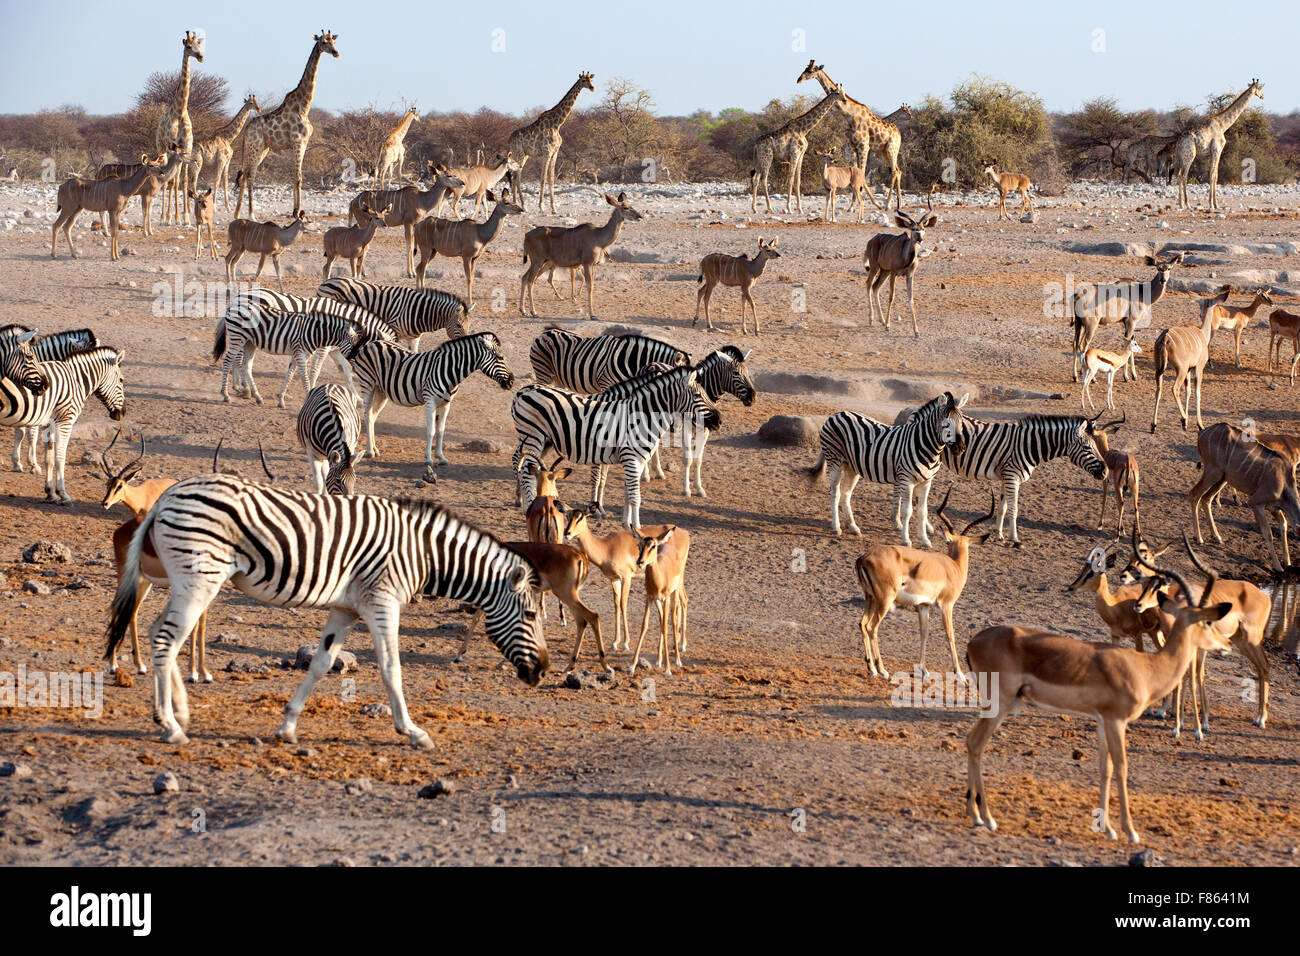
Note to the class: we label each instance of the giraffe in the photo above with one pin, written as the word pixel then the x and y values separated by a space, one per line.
pixel 393 151
pixel 867 131
pixel 219 148
pixel 1210 137
pixel 542 137
pixel 788 143
pixel 285 127
pixel 174 127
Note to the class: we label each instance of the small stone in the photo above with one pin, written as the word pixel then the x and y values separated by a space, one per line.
pixel 359 786
pixel 376 710
pixel 226 637
pixel 439 788
pixel 79 583
pixel 245 664
pixel 341 861
pixel 16 770
pixel 48 552
pixel 166 782
pixel 308 752
pixel 32 586
pixel 1145 857
pixel 789 430
pixel 482 446
pixel 1076 754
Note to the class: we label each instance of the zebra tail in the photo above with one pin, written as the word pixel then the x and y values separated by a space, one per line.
pixel 219 343
pixel 816 471
pixel 127 598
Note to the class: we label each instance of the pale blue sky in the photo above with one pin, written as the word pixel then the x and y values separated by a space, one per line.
pixel 690 54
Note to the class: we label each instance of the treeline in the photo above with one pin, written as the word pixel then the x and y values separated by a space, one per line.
pixel 620 138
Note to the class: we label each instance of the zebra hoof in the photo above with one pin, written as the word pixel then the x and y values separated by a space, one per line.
pixel 141 669
pixel 286 735
pixel 421 740
pixel 177 737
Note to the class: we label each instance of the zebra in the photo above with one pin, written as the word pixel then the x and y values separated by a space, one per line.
pixel 410 312
pixel 906 456
pixel 589 364
pixel 21 374
pixel 387 372
pixel 722 372
pixel 329 428
pixel 1010 451
pixel 297 334
pixel 597 430
pixel 361 556
pixel 265 309
pixel 71 382
pixel 54 346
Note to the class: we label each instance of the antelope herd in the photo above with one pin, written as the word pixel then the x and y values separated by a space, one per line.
pixel 650 388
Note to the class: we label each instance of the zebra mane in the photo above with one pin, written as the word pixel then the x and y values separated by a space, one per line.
pixel 733 352
pixel 637 383
pixel 1051 419
pixel 81 359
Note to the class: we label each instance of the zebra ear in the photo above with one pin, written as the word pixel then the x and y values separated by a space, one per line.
pixel 121 357
pixel 519 580
pixel 335 458
pixel 26 337
pixel 745 357
pixel 964 399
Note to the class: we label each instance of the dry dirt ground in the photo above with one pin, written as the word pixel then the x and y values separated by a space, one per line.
pixel 774 745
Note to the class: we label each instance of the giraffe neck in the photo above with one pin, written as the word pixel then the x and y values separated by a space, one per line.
pixel 1227 117
pixel 182 103
pixel 849 105
pixel 232 129
pixel 400 133
pixel 299 100
pixel 554 117
pixel 806 122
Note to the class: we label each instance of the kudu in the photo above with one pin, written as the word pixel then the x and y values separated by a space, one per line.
pixel 1007 183
pixel 105 195
pixel 1104 303
pixel 889 255
pixel 718 267
pixel 352 242
pixel 476 181
pixel 466 238
pixel 406 207
pixel 267 238
pixel 583 245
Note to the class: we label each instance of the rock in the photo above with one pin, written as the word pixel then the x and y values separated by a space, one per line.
pixel 89 811
pixel 1076 754
pixel 376 710
pixel 79 583
pixel 343 861
pixel 789 430
pixel 226 637
pixel 439 788
pixel 18 771
pixel 904 414
pixel 246 664
pixel 1145 857
pixel 48 552
pixel 32 586
pixel 307 752
pixel 586 680
pixel 166 782
pixel 345 661
pixel 482 446
pixel 359 786
pixel 1031 216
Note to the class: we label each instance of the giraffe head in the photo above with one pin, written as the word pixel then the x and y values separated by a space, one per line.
pixel 325 42
pixel 251 102
pixel 1257 87
pixel 810 71
pixel 584 81
pixel 908 110
pixel 413 114
pixel 193 46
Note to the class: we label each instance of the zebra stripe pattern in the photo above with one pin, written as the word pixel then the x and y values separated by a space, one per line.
pixel 410 312
pixel 262 309
pixel 71 382
pixel 328 427
pixel 597 430
pixel 56 346
pixel 906 456
pixel 589 364
pixel 1008 452
pixel 387 372
pixel 21 374
pixel 362 557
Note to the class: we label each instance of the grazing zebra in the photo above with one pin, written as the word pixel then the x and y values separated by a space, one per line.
pixel 328 427
pixel 362 557
pixel 906 456
pixel 589 364
pixel 242 331
pixel 262 306
pixel 722 372
pixel 597 430
pixel 1009 452
pixel 387 372
pixel 71 382
pixel 410 312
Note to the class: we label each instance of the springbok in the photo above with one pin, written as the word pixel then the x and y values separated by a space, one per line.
pixel 352 242
pixel 1230 457
pixel 406 207
pixel 1098 361
pixel 1187 349
pixel 662 558
pixel 267 238
pixel 464 238
pixel 1104 303
pixel 1028 665
pixel 1007 183
pixel 1283 325
pixel 582 245
pixel 106 195
pixel 733 271
pixel 889 255
pixel 1118 608
pixel 1122 473
pixel 545 515
pixel 204 204
pixel 835 178
pixel 892 574
pixel 476 181
pixel 1236 319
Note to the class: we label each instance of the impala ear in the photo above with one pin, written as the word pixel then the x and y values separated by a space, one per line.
pixel 563 473
pixel 470 307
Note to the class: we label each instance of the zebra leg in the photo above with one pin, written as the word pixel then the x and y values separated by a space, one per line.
pixel 383 624
pixel 837 472
pixel 298 362
pixel 331 642
pixel 923 503
pixel 184 608
pixel 59 447
pixel 597 491
pixel 854 477
pixel 903 524
pixel 1013 492
pixel 436 423
pixel 632 489
pixel 701 435
pixel 47 449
